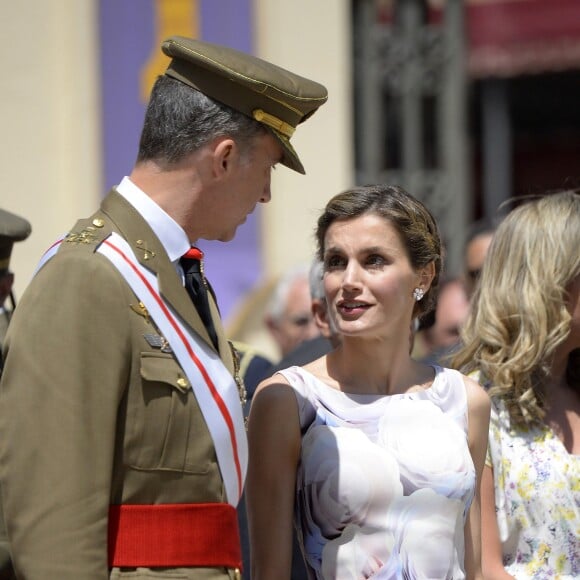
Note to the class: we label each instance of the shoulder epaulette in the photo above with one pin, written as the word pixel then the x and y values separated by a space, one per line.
pixel 91 231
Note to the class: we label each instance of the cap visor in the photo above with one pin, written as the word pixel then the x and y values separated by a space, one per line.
pixel 290 158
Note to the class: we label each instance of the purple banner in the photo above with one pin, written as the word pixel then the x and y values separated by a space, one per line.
pixel 130 36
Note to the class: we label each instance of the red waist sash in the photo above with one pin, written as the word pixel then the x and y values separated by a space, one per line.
pixel 174 535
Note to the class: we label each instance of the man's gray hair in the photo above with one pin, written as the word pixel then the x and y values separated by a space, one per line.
pixel 180 120
pixel 315 280
pixel 279 298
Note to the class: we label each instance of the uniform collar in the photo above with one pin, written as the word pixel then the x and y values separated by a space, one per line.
pixel 170 233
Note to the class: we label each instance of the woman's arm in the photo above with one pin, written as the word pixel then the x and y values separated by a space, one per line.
pixel 479 407
pixel 274 448
pixel 492 562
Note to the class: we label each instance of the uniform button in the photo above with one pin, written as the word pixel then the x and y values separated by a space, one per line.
pixel 181 382
pixel 98 222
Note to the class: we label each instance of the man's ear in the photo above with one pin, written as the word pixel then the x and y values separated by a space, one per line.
pixel 320 315
pixel 274 329
pixel 225 153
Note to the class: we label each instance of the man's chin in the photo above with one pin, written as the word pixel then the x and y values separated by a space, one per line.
pixel 227 237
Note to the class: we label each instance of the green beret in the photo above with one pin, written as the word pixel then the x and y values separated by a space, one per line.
pixel 12 229
pixel 263 91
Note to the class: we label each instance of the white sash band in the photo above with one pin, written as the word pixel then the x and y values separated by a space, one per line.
pixel 213 385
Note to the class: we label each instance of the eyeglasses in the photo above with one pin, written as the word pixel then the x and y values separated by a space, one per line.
pixel 300 320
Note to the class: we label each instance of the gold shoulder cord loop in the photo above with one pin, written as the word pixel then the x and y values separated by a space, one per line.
pixel 237 377
pixel 274 122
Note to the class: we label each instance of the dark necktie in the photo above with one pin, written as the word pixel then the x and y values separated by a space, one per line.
pixel 196 287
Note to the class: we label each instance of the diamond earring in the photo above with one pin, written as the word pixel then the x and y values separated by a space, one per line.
pixel 418 294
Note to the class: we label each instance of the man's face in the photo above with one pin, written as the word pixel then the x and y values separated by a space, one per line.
pixel 451 313
pixel 297 322
pixel 248 184
pixel 474 257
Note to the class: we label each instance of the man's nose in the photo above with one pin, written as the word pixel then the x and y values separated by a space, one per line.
pixel 267 193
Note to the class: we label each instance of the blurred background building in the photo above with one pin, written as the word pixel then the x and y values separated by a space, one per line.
pixel 467 102
pixel 464 102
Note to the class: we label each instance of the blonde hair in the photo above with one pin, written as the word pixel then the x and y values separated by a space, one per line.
pixel 518 314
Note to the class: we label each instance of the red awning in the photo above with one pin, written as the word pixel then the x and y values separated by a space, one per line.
pixel 515 37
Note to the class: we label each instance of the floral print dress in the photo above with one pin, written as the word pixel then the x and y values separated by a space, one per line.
pixel 384 482
pixel 537 496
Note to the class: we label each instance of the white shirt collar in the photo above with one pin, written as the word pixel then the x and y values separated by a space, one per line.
pixel 170 233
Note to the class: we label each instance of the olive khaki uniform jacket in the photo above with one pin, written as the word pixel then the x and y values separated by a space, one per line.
pixel 4 320
pixel 91 414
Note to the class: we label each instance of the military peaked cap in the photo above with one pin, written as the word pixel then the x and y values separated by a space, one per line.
pixel 12 229
pixel 263 91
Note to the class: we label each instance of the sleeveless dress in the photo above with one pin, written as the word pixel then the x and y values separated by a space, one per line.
pixel 384 483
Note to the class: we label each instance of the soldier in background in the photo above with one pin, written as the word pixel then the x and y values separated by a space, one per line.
pixel 13 229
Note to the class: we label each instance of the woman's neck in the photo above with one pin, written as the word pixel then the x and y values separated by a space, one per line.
pixel 374 366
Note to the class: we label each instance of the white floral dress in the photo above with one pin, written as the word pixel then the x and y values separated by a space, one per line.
pixel 384 482
pixel 537 496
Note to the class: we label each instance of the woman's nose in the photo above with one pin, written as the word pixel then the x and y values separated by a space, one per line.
pixel 351 278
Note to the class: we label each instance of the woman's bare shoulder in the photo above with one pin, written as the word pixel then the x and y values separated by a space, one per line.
pixel 274 391
pixel 274 410
pixel 477 397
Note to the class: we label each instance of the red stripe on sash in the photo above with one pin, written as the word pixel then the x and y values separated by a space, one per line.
pixel 214 392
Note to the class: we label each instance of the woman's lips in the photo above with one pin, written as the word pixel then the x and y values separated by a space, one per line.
pixel 352 307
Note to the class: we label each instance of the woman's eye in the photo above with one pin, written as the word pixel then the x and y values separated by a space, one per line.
pixel 333 262
pixel 375 260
